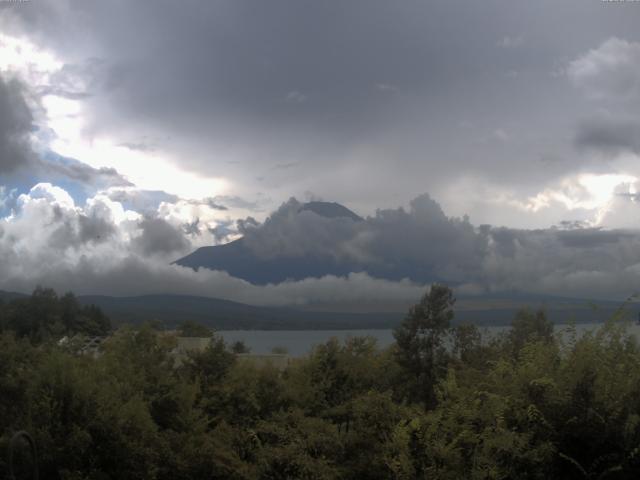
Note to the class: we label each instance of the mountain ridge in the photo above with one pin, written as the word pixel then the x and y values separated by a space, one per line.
pixel 170 310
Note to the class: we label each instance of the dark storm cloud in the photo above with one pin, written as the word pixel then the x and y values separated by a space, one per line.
pixel 366 102
pixel 572 224
pixel 211 203
pixel 610 135
pixel 15 126
pixel 75 170
pixel 159 237
pixel 17 153
pixel 592 237
pixel 225 203
pixel 94 229
pixel 246 225
pixel 293 232
pixel 192 228
pixel 222 232
pixel 342 90
pixel 421 243
pixel 79 230
pixel 233 201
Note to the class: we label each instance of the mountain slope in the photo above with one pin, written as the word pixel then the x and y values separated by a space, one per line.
pixel 171 310
pixel 237 259
pixel 8 296
pixel 488 310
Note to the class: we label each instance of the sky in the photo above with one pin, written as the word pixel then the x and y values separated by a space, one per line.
pixel 132 133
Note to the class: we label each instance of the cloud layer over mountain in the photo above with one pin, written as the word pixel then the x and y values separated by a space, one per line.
pixel 100 247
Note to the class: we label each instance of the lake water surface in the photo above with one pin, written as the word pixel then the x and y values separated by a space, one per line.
pixel 300 342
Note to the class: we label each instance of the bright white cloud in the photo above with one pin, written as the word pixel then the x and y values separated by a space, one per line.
pixel 587 192
pixel 63 114
pixel 53 195
pixel 24 57
pixel 611 71
pixel 146 169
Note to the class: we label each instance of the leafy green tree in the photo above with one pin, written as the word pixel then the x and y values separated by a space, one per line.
pixel 370 447
pixel 44 316
pixel 251 393
pixel 529 326
pixel 240 347
pixel 189 328
pixel 529 405
pixel 420 342
pixel 93 321
pixel 37 317
pixel 294 445
pixel 335 373
pixel 211 365
pixel 3 314
pixel 467 343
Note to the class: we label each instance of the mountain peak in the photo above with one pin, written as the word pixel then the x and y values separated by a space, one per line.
pixel 330 210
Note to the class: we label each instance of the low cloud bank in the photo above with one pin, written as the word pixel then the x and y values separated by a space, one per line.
pixel 103 248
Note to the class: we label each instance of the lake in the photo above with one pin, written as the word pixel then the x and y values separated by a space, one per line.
pixel 300 342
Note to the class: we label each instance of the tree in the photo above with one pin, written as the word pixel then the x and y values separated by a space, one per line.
pixel 210 365
pixel 2 315
pixel 92 321
pixel 36 317
pixel 189 328
pixel 466 342
pixel 529 326
pixel 44 316
pixel 419 338
pixel 240 347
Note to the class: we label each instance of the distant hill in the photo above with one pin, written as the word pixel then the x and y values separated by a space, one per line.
pixel 488 310
pixel 8 296
pixel 171 310
pixel 227 315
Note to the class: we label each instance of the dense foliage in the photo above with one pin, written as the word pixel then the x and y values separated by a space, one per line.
pixel 530 404
pixel 44 315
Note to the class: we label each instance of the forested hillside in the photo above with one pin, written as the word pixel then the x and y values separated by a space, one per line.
pixel 526 405
pixel 45 316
